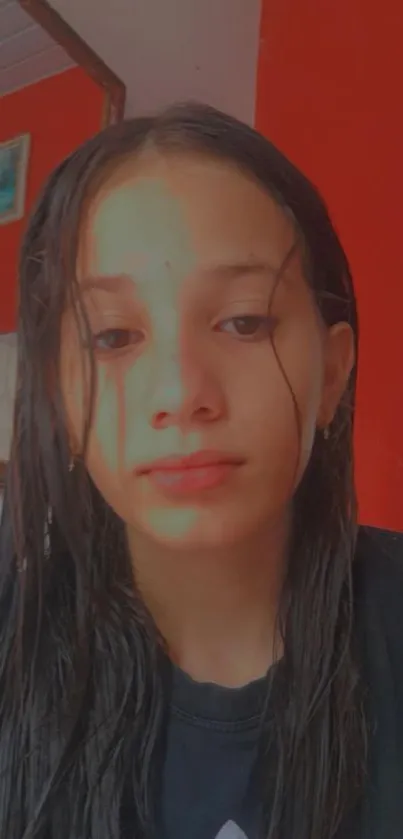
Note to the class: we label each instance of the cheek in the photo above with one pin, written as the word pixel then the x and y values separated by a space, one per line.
pixel 74 398
pixel 305 373
pixel 75 377
pixel 307 382
pixel 300 355
pixel 106 443
pixel 279 402
pixel 120 431
pixel 108 428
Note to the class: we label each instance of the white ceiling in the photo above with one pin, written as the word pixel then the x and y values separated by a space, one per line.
pixel 171 50
pixel 27 53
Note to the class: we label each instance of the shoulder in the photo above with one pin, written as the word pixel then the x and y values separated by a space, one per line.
pixel 378 597
pixel 378 568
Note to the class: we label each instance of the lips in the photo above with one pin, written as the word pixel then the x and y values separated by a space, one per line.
pixel 178 476
pixel 177 463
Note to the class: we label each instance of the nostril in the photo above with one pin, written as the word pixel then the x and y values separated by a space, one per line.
pixel 159 419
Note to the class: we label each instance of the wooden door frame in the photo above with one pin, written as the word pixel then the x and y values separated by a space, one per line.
pixel 79 51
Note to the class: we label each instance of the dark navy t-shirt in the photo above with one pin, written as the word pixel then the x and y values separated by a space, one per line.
pixel 208 789
pixel 212 741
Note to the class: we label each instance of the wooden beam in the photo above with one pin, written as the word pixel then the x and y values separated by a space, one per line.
pixel 79 51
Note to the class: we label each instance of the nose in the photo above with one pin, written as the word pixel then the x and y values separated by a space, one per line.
pixel 187 394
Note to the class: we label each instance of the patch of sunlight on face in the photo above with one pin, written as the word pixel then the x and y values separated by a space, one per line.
pixel 140 230
pixel 173 523
pixel 107 420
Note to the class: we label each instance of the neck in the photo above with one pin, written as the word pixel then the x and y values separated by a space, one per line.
pixel 216 608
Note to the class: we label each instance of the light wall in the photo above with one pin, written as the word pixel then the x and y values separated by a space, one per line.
pixel 172 50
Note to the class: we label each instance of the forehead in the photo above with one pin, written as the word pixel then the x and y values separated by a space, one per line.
pixel 180 211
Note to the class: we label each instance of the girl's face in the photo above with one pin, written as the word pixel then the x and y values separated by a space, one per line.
pixel 204 331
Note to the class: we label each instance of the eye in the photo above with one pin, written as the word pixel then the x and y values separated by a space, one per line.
pixel 248 326
pixel 116 339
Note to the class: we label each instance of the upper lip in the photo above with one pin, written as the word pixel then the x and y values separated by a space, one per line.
pixel 178 463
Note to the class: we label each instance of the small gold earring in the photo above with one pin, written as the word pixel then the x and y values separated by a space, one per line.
pixel 326 433
pixel 71 464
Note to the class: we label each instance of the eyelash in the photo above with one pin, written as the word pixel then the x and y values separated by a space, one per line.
pixel 264 327
pixel 106 333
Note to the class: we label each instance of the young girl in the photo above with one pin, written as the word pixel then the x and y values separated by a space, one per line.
pixel 197 642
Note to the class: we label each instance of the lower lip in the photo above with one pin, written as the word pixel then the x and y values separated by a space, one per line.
pixel 188 481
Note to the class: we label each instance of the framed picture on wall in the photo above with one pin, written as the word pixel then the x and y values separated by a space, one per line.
pixel 14 155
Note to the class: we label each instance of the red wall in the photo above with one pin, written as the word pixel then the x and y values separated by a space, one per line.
pixel 59 113
pixel 329 93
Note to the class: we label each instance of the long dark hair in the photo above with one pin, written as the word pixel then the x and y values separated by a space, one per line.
pixel 81 692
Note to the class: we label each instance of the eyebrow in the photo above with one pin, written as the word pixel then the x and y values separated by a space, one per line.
pixel 254 267
pixel 233 271
pixel 257 267
pixel 106 282
pixel 113 283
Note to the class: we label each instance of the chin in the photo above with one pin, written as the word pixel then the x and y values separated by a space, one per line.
pixel 194 529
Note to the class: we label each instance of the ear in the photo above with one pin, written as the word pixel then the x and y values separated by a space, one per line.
pixel 339 360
